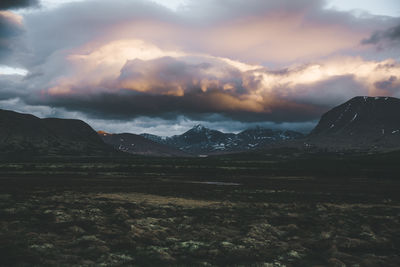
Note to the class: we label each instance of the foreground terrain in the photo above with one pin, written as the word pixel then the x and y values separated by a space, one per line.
pixel 261 211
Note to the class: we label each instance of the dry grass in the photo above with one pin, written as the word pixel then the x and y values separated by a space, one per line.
pixel 158 200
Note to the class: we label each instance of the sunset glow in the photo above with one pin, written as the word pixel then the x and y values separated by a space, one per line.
pixel 250 61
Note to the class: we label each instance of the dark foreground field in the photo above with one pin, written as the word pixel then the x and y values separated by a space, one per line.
pixel 317 211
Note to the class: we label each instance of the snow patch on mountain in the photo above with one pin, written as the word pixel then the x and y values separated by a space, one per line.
pixel 202 140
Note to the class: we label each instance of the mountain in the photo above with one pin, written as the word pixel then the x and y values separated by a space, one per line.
pixel 27 135
pixel 201 140
pixel 138 145
pixel 360 123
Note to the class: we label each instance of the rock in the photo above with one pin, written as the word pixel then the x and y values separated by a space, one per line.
pixel 294 254
pixel 226 244
pixel 76 229
pixel 273 264
pixel 325 235
pixel 43 248
pixel 191 245
pixel 118 260
pixel 61 216
pixel 88 263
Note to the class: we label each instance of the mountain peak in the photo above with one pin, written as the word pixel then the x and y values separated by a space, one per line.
pixel 362 121
pixel 199 128
pixel 366 99
pixel 201 140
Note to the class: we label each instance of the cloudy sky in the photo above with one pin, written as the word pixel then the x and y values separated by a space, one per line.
pixel 147 66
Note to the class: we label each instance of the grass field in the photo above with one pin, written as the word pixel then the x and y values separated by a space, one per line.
pixel 259 210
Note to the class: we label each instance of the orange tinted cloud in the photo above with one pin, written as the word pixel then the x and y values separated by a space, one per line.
pixel 273 37
pixel 218 84
pixel 12 17
pixel 366 73
pixel 279 38
pixel 217 58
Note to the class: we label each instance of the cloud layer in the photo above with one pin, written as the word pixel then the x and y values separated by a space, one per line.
pixel 391 36
pixel 245 62
pixel 200 85
pixel 11 25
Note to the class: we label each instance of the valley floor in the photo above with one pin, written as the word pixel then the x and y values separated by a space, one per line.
pixel 194 213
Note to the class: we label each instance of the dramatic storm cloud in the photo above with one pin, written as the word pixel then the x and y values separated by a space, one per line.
pixel 9 4
pixel 126 64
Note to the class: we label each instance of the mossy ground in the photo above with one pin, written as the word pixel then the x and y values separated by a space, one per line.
pixel 122 214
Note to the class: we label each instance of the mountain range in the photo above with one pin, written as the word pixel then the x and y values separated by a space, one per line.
pixel 362 123
pixel 202 140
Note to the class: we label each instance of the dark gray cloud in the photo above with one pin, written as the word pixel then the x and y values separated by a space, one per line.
pixel 329 92
pixel 8 28
pixel 11 25
pixel 195 87
pixel 11 4
pixel 9 31
pixel 195 105
pixel 390 35
pixel 388 84
pixel 12 86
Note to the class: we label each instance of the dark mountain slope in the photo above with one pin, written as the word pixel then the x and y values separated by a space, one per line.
pixel 27 135
pixel 201 140
pixel 362 122
pixel 138 145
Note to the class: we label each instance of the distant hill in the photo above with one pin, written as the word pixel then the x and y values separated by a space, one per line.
pixel 202 140
pixel 138 145
pixel 360 123
pixel 26 135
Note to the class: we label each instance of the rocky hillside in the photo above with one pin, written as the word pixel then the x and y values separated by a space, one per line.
pixel 362 122
pixel 201 140
pixel 27 135
pixel 138 145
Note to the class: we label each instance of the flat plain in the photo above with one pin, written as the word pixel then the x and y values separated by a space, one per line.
pixel 245 210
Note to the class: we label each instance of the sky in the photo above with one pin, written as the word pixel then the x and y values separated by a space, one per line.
pixel 162 67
